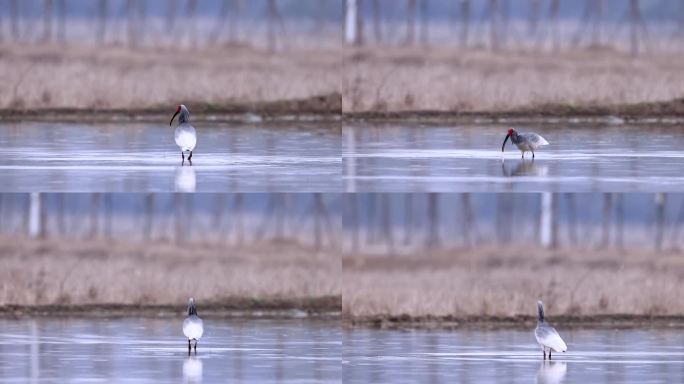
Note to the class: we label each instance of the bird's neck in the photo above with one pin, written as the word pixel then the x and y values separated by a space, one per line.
pixel 184 117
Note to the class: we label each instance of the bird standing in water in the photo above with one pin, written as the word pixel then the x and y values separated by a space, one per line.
pixel 546 335
pixel 526 142
pixel 185 135
pixel 193 327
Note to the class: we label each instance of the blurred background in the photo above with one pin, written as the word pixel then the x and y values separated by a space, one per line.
pixel 409 223
pixel 235 250
pixel 268 24
pixel 500 55
pixel 310 220
pixel 143 53
pixel 634 26
pixel 474 255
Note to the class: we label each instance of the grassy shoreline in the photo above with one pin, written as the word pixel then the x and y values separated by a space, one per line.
pixel 71 276
pixel 328 108
pixel 322 107
pixel 325 307
pixel 494 282
pixel 609 321
pixel 667 111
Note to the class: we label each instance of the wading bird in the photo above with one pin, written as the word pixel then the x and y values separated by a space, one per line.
pixel 193 328
pixel 547 336
pixel 185 135
pixel 526 142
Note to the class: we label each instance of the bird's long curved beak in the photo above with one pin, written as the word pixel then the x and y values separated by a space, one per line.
pixel 173 117
pixel 504 143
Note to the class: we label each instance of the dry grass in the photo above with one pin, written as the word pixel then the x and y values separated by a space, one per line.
pixel 507 282
pixel 52 76
pixel 79 273
pixel 401 79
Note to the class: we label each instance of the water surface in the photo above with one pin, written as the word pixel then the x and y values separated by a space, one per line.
pixel 594 356
pixel 50 157
pixel 406 158
pixel 154 351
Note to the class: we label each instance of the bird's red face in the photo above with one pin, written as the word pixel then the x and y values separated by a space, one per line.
pixel 510 133
pixel 178 109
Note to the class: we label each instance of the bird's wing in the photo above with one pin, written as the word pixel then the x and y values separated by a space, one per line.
pixel 536 139
pixel 185 136
pixel 547 336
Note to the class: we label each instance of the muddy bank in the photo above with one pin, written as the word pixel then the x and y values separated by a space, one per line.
pixel 304 307
pixel 322 107
pixel 616 321
pixel 666 112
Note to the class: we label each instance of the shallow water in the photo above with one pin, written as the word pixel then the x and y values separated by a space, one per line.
pixel 154 351
pixel 49 157
pixel 594 356
pixel 402 158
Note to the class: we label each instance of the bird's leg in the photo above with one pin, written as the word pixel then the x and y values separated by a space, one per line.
pixel 189 347
pixel 523 154
pixel 533 154
pixel 190 157
pixel 195 346
pixel 549 354
pixel 544 352
pixel 183 162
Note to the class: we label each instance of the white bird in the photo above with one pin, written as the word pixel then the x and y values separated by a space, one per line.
pixel 526 142
pixel 185 135
pixel 193 327
pixel 547 336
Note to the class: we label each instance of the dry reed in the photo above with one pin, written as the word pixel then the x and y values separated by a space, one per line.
pixel 56 76
pixel 401 79
pixel 34 272
pixel 496 281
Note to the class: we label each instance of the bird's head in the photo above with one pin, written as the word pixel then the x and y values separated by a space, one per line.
pixel 184 114
pixel 510 133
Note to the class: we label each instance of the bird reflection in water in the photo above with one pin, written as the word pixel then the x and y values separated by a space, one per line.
pixel 551 372
pixel 192 370
pixel 185 180
pixel 523 168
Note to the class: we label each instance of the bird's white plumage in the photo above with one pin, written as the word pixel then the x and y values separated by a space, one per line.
pixel 548 337
pixel 186 137
pixel 193 328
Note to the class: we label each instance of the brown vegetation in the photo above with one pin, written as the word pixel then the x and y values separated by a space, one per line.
pixel 54 274
pixel 382 80
pixel 504 283
pixel 101 78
